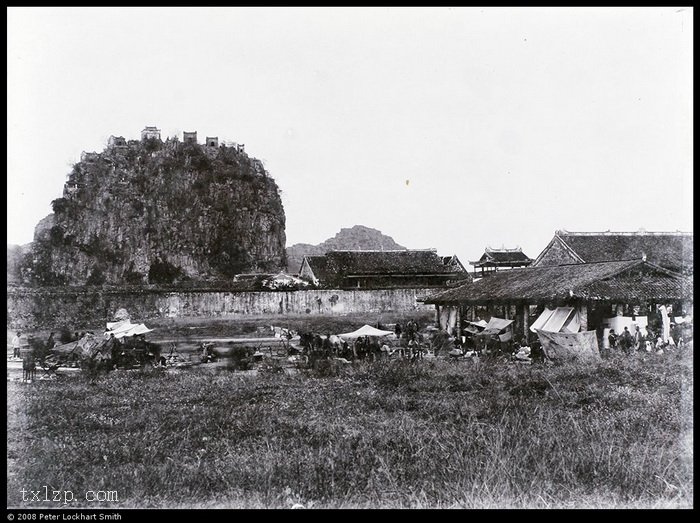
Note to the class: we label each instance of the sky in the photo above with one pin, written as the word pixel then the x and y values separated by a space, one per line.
pixel 445 128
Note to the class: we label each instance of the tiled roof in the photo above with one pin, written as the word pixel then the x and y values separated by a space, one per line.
pixel 670 250
pixel 319 266
pixel 504 257
pixel 386 262
pixel 604 280
pixel 336 265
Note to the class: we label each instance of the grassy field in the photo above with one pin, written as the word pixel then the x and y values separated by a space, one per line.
pixel 432 434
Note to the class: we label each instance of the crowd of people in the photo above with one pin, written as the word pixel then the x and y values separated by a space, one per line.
pixel 646 339
pixel 407 342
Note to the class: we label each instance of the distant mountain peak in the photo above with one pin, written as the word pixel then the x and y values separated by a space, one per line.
pixel 355 238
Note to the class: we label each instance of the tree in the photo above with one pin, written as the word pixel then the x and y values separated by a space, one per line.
pixel 163 272
pixel 97 277
pixel 230 258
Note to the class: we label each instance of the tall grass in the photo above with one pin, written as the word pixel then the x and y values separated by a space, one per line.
pixel 385 434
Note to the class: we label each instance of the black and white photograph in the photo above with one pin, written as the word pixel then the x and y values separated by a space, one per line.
pixel 342 258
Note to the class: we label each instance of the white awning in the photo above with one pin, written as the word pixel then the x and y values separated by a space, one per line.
pixel 497 323
pixel 561 319
pixel 365 330
pixel 126 328
pixel 541 320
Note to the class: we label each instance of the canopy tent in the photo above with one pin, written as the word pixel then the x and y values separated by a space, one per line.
pixel 116 324
pixel 507 336
pixel 366 330
pixel 475 327
pixel 561 319
pixel 495 326
pixel 125 328
pixel 497 323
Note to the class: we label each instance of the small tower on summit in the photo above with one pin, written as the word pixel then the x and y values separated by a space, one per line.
pixel 212 141
pixel 189 137
pixel 150 132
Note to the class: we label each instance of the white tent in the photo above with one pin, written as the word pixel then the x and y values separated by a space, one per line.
pixel 125 328
pixel 365 330
pixel 561 319
pixel 497 324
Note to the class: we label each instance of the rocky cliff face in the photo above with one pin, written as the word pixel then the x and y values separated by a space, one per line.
pixel 155 212
pixel 355 238
pixel 15 255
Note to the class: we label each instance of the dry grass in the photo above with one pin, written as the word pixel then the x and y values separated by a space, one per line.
pixel 432 434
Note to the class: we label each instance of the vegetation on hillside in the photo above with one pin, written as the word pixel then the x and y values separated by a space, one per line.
pixel 160 212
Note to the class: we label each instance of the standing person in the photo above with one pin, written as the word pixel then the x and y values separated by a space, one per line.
pixel 15 344
pixel 409 330
pixel 360 348
pixel 626 341
pixel 50 342
pixel 411 348
pixel 676 334
pixel 638 339
pixel 28 367
pixel 397 330
pixel 414 328
pixel 612 339
pixel 112 346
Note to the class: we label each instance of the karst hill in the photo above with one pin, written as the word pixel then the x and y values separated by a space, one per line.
pixel 357 237
pixel 154 211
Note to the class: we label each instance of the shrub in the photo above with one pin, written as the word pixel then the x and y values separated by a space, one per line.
pixel 163 272
pixel 56 235
pixel 151 144
pixel 59 205
pixel 327 368
pixel 132 277
pixel 229 258
pixel 240 358
pixel 271 366
pixel 96 277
